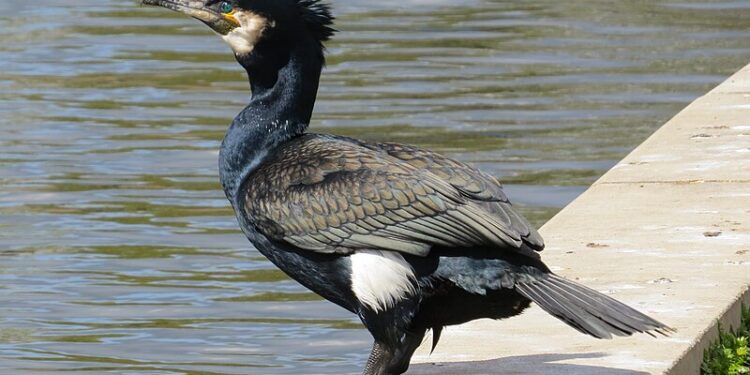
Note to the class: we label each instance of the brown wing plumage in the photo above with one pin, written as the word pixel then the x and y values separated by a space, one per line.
pixel 335 195
pixel 471 182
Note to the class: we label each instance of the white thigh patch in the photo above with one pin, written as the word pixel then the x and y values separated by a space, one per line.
pixel 381 278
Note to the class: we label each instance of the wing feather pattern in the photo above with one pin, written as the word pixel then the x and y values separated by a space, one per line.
pixel 337 195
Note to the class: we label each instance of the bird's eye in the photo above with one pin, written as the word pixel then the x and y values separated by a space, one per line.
pixel 225 7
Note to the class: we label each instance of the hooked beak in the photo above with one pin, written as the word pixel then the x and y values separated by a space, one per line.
pixel 222 23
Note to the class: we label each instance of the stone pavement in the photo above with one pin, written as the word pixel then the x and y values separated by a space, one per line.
pixel 667 230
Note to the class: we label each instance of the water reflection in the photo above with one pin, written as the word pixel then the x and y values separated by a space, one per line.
pixel 118 251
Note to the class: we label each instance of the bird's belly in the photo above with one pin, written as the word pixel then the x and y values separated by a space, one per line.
pixel 328 275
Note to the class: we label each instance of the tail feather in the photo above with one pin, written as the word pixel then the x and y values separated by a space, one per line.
pixel 587 310
pixel 625 318
pixel 565 312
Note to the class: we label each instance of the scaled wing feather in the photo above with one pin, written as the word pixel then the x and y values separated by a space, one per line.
pixel 336 195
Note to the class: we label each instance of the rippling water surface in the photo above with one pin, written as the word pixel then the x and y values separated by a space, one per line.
pixel 118 251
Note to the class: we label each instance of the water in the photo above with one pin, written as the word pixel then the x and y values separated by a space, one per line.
pixel 118 252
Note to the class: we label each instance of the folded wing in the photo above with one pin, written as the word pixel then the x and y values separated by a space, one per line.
pixel 338 197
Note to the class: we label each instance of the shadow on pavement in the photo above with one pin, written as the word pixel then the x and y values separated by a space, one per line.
pixel 521 365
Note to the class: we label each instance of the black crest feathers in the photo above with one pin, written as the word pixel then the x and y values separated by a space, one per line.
pixel 318 17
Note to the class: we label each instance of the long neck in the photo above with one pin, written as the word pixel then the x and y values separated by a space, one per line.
pixel 283 96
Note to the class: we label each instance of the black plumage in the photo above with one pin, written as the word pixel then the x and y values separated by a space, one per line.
pixel 407 239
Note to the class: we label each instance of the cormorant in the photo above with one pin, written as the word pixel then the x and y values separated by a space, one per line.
pixel 407 239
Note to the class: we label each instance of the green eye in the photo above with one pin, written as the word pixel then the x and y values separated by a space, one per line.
pixel 225 7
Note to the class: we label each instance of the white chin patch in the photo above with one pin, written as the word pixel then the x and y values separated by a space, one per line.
pixel 381 278
pixel 244 38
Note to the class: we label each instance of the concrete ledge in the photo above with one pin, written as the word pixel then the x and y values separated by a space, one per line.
pixel 667 230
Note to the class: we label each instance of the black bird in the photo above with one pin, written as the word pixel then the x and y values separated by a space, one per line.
pixel 407 239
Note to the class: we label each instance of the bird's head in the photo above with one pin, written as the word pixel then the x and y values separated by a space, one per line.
pixel 259 29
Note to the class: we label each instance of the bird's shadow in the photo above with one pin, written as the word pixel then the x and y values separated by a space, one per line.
pixel 517 365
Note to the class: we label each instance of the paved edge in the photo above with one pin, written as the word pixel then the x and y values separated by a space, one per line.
pixel 666 230
pixel 690 360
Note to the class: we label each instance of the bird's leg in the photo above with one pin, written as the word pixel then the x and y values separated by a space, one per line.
pixel 410 343
pixel 385 361
pixel 379 361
